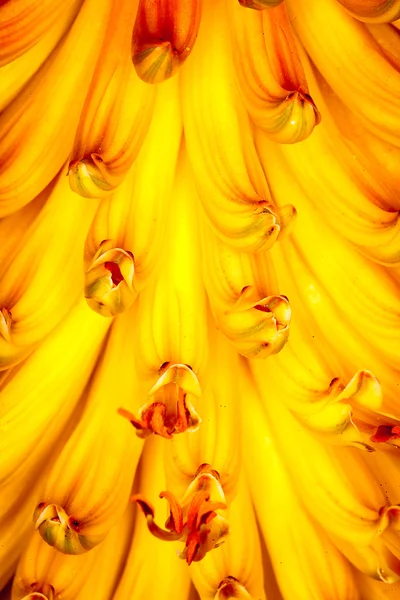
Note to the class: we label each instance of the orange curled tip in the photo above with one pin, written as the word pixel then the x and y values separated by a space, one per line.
pixel 5 324
pixel 259 4
pixel 196 520
pixel 110 280
pixel 230 587
pixel 373 11
pixel 169 410
pixel 163 37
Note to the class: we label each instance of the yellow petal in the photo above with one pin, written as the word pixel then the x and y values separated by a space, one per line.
pixel 84 495
pixel 38 128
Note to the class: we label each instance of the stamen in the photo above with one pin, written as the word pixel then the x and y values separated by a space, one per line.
pixel 197 520
pixel 384 433
pixel 175 520
pixel 170 410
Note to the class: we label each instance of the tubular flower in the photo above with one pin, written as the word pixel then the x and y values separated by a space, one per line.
pixel 271 74
pixel 199 265
pixel 84 495
pixel 197 520
pixel 163 37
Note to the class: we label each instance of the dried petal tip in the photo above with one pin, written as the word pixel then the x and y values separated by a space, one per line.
pixel 373 11
pixel 231 588
pixel 109 280
pixel 5 324
pixel 170 409
pixel 38 591
pixel 163 37
pixel 259 4
pixel 89 177
pixel 62 532
pixel 197 520
pixel 257 327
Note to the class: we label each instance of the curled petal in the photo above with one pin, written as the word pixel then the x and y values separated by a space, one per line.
pixel 109 281
pixel 257 327
pixel 61 530
pixel 373 11
pixel 89 178
pixel 163 37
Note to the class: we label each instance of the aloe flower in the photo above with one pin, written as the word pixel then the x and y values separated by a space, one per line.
pixel 199 299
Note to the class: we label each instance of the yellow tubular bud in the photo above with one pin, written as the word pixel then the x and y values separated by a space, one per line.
pixel 307 565
pixel 171 346
pixel 163 37
pixel 37 129
pixel 235 570
pixel 348 507
pixel 148 555
pixel 271 74
pixel 44 279
pixel 231 184
pixel 244 298
pixel 134 216
pixel 110 560
pixel 17 73
pixel 373 11
pixel 215 442
pixel 34 411
pixel 85 495
pixel 373 91
pixel 116 114
pixel 24 22
pixel 41 570
pixel 322 168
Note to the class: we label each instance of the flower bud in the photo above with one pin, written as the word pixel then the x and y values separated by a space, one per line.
pixel 232 588
pixel 109 281
pixel 258 327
